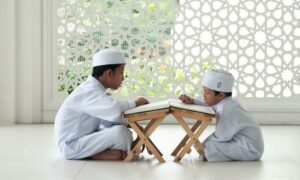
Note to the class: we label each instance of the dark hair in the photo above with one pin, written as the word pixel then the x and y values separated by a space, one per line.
pixel 226 93
pixel 99 70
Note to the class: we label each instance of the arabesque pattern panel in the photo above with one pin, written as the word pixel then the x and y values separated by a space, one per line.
pixel 170 43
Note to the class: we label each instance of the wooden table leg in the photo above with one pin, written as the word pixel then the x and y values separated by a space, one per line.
pixel 192 138
pixel 190 134
pixel 184 140
pixel 135 150
pixel 144 139
pixel 191 141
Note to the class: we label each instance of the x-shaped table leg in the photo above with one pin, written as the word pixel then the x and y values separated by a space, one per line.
pixel 185 139
pixel 192 138
pixel 143 138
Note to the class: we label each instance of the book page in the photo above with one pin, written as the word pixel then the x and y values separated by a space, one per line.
pixel 176 103
pixel 149 107
pixel 192 107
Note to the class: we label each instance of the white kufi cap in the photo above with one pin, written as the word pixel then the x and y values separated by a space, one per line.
pixel 218 80
pixel 107 57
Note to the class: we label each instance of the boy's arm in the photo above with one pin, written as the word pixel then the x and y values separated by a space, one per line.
pixel 189 100
pixel 126 105
pixel 199 101
pixel 105 107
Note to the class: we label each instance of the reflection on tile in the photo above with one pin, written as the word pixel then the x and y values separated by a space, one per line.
pixel 246 170
pixel 29 152
pixel 135 170
pixel 39 169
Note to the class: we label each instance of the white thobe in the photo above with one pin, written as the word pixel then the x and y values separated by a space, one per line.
pixel 237 135
pixel 90 121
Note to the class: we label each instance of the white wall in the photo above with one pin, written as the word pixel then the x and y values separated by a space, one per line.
pixel 29 61
pixel 21 61
pixel 7 62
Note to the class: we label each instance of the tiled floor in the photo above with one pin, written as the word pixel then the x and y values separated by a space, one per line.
pixel 29 152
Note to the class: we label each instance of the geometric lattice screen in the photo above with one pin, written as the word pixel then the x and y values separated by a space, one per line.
pixel 170 43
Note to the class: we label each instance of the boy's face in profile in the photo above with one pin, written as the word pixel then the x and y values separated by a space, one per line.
pixel 117 77
pixel 210 97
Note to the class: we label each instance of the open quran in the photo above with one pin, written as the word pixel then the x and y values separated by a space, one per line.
pixel 167 104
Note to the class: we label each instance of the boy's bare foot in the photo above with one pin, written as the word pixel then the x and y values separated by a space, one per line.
pixel 112 155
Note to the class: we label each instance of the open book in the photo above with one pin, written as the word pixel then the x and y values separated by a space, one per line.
pixel 166 104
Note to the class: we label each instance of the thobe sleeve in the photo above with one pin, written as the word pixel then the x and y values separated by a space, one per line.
pixel 105 107
pixel 226 128
pixel 199 101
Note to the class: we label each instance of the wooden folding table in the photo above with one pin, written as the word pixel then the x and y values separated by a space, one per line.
pixel 193 134
pixel 155 117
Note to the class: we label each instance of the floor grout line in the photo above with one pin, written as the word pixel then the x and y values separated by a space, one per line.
pixel 79 170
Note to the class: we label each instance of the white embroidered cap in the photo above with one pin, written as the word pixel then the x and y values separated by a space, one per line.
pixel 107 57
pixel 218 80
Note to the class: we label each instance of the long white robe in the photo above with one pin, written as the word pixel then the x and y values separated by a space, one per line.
pixel 90 121
pixel 237 135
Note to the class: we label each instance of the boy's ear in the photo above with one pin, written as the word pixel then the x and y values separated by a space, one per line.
pixel 108 72
pixel 111 72
pixel 221 95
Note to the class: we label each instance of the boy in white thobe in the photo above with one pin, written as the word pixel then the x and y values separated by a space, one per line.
pixel 89 124
pixel 237 135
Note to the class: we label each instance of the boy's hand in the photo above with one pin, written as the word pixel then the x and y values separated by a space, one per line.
pixel 186 99
pixel 141 101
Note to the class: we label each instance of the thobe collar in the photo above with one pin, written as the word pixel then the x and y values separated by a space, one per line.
pixel 96 82
pixel 218 108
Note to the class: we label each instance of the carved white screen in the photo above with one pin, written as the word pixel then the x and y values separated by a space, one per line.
pixel 169 44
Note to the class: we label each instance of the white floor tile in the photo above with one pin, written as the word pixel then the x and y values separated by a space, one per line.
pixel 56 169
pixel 29 152
pixel 258 170
pixel 136 170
